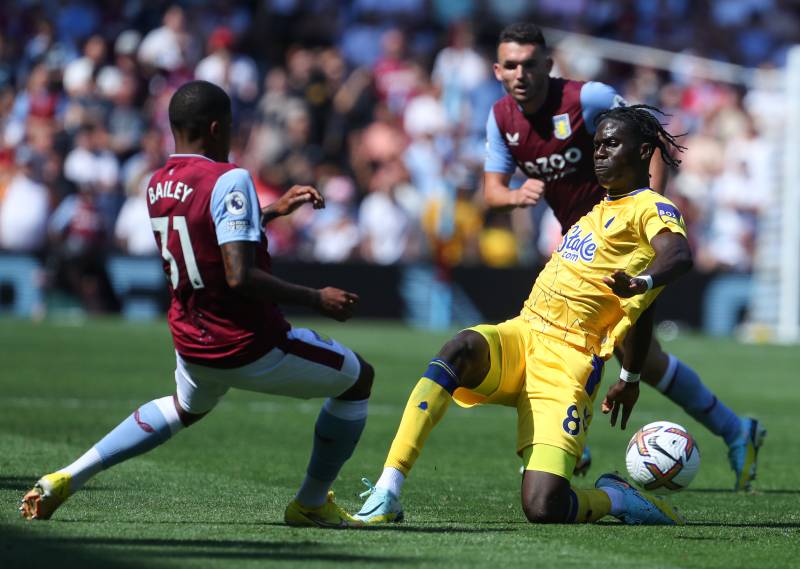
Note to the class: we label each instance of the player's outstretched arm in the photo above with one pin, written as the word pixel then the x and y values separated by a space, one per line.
pixel 245 278
pixel 672 259
pixel 623 394
pixel 498 195
pixel 290 201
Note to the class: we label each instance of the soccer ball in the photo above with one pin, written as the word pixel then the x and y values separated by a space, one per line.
pixel 662 457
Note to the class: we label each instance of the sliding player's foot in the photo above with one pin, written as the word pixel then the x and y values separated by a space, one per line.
pixel 640 508
pixel 381 506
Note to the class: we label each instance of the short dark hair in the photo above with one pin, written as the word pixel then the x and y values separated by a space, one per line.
pixel 195 105
pixel 522 33
pixel 647 127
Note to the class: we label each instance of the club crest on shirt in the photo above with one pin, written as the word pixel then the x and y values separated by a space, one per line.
pixel 575 246
pixel 513 139
pixel 669 213
pixel 236 203
pixel 562 128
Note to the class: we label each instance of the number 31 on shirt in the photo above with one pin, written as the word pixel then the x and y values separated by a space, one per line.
pixel 161 226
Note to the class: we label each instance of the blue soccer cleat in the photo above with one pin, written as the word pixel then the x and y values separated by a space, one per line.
pixel 381 506
pixel 584 463
pixel 640 508
pixel 743 452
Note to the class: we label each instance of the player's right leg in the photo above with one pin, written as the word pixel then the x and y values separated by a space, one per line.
pixel 464 361
pixel 553 418
pixel 149 426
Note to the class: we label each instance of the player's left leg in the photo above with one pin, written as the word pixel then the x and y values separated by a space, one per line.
pixel 336 433
pixel 681 384
pixel 548 497
pixel 147 427
pixel 309 365
pixel 553 417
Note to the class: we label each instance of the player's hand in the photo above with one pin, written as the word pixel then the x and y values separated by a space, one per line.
pixel 528 194
pixel 336 303
pixel 620 395
pixel 294 198
pixel 624 285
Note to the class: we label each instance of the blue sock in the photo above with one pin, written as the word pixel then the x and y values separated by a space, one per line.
pixel 148 426
pixel 336 433
pixel 683 386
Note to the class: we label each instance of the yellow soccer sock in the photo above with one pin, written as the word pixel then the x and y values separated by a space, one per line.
pixel 588 505
pixel 426 406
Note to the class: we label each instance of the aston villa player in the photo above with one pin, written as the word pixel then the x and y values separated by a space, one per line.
pixel 226 326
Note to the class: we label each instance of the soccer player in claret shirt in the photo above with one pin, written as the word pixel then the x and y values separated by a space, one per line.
pixel 596 292
pixel 226 325
pixel 544 126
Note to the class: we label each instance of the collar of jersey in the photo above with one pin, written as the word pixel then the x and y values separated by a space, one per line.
pixel 190 156
pixel 633 193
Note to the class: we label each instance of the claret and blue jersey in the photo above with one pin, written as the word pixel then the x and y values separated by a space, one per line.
pixel 197 205
pixel 555 144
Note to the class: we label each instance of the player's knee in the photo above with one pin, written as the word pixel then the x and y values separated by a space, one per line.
pixel 366 376
pixel 187 418
pixel 544 508
pixel 468 354
pixel 363 386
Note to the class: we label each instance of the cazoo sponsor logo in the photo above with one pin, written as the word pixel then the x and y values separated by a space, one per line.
pixel 554 166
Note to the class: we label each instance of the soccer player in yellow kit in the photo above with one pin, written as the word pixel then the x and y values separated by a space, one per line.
pixel 595 293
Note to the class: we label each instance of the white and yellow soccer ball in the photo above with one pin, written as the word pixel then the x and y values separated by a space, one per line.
pixel 662 457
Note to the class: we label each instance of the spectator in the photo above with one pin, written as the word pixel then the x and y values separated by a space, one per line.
pixel 133 233
pixel 334 231
pixel 235 73
pixel 126 124
pixel 457 71
pixel 171 46
pixel 395 76
pixel 24 207
pixel 385 226
pixel 79 235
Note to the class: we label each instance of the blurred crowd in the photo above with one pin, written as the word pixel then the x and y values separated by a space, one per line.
pixel 381 105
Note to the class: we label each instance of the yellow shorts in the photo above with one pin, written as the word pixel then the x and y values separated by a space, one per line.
pixel 552 384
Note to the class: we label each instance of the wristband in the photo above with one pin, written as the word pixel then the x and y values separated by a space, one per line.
pixel 628 377
pixel 648 280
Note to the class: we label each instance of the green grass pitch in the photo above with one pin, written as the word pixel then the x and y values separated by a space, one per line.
pixel 214 495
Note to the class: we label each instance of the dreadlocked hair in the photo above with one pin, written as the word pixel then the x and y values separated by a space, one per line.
pixel 649 128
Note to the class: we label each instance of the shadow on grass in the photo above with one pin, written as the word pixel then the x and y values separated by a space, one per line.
pixel 762 525
pixel 757 491
pixel 25 483
pixel 417 528
pixel 21 483
pixel 19 549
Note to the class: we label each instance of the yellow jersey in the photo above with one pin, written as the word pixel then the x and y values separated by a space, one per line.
pixel 569 299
